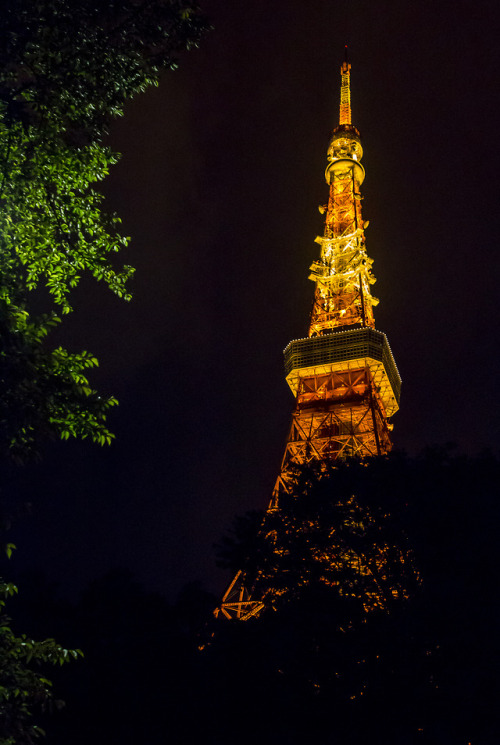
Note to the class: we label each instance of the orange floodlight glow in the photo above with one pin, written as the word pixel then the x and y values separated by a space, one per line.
pixel 343 375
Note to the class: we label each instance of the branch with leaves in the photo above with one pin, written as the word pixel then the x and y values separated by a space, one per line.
pixel 67 67
pixel 23 685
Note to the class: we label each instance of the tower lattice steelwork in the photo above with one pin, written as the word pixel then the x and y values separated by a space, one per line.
pixel 343 374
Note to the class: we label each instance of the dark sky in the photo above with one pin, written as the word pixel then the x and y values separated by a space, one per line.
pixel 221 175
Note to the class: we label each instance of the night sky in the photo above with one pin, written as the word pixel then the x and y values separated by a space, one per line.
pixel 218 186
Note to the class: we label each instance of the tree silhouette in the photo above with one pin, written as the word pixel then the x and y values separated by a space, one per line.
pixel 324 660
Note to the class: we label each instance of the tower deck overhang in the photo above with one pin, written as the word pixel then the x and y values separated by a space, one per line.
pixel 346 350
pixel 337 166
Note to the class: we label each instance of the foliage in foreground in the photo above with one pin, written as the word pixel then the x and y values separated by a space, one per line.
pixel 23 685
pixel 67 67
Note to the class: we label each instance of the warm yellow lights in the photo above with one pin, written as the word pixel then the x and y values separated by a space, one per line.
pixel 237 603
pixel 343 374
pixel 345 95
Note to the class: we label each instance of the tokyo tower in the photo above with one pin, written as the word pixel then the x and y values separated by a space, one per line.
pixel 343 375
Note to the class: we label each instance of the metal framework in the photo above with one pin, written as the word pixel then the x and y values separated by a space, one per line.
pixel 343 374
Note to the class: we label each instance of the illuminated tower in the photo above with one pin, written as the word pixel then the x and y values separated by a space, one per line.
pixel 343 374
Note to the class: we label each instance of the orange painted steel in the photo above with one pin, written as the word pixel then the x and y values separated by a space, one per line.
pixel 345 389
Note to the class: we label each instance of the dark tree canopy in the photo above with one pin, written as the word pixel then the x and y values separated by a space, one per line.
pixel 422 674
pixel 416 669
pixel 329 532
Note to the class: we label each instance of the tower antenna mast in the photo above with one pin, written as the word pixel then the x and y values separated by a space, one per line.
pixel 345 91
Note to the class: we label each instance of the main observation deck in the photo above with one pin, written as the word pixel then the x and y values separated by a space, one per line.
pixel 346 350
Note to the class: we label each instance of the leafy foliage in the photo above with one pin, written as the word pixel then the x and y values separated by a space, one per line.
pixel 23 686
pixel 44 393
pixel 66 69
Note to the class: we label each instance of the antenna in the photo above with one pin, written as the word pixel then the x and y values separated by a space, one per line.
pixel 345 91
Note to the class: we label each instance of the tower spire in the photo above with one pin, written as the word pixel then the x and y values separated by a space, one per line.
pixel 345 91
pixel 343 375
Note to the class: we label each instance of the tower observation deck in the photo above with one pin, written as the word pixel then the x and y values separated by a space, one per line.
pixel 343 375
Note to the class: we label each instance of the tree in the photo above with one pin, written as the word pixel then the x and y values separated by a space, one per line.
pixel 66 69
pixel 140 657
pixel 319 664
pixel 22 685
pixel 424 673
pixel 329 531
